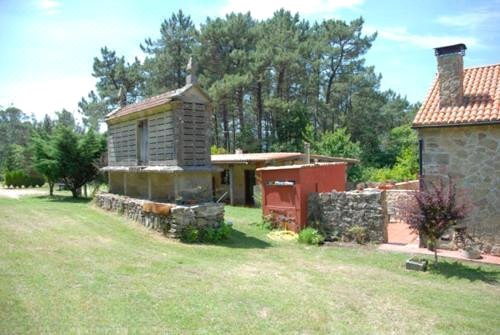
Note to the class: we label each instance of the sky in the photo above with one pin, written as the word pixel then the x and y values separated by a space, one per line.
pixel 47 47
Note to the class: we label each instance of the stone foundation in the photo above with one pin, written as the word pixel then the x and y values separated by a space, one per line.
pixel 336 212
pixel 168 219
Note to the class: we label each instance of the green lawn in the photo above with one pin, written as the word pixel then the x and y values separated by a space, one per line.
pixel 67 267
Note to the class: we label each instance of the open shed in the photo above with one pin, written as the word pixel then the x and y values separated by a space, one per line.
pixel 237 177
pixel 286 188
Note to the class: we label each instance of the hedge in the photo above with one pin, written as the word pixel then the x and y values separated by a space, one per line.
pixel 19 178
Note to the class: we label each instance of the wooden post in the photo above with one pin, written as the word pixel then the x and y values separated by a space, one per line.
pixel 125 183
pixel 110 188
pixel 231 185
pixel 149 186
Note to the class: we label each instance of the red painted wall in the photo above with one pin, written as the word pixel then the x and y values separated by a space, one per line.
pixel 291 200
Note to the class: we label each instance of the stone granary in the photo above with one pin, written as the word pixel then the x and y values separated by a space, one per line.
pixel 459 130
pixel 159 148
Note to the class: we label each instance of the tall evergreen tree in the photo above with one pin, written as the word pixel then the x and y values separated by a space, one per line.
pixel 165 64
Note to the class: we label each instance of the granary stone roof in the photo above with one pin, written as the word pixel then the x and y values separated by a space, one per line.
pixel 481 101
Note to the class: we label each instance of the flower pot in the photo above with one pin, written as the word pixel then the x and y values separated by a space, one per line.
pixel 416 264
pixel 471 253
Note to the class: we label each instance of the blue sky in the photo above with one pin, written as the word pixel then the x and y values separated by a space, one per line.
pixel 48 46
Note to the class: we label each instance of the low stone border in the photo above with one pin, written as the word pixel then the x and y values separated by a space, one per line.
pixel 169 219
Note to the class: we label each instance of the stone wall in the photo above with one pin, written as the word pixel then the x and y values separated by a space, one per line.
pixel 394 199
pixel 168 219
pixel 336 212
pixel 471 156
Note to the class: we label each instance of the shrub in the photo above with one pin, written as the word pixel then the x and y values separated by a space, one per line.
pixel 190 234
pixel 433 211
pixel 8 179
pixel 18 178
pixel 206 234
pixel 310 236
pixel 358 234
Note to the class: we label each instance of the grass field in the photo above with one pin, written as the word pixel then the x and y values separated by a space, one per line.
pixel 67 267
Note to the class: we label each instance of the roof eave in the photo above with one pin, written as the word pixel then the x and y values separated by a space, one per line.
pixel 463 124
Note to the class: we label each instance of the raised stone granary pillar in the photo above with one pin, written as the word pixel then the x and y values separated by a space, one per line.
pixel 451 75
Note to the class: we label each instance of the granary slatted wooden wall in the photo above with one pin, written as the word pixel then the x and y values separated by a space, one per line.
pixel 194 141
pixel 122 144
pixel 161 139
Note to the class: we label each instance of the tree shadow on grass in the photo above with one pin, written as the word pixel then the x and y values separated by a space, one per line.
pixel 65 199
pixel 462 271
pixel 238 239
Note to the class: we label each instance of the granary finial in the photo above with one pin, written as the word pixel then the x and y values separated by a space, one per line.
pixel 191 69
pixel 122 96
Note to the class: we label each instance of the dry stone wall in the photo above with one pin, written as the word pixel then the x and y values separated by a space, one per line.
pixel 168 219
pixel 336 212
pixel 395 199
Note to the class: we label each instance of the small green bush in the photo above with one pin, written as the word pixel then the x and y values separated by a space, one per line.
pixel 190 235
pixel 206 235
pixel 358 234
pixel 310 236
pixel 8 179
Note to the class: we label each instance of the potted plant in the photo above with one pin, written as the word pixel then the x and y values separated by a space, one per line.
pixel 472 250
pixel 417 264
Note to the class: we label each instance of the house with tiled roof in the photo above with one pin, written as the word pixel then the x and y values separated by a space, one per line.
pixel 459 131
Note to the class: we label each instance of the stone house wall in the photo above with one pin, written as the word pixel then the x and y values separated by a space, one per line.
pixel 168 219
pixel 471 156
pixel 336 212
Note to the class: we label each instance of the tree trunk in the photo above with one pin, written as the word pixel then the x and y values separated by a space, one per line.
pixel 225 126
pixel 259 113
pixel 74 192
pixel 241 116
pixel 51 188
pixel 216 131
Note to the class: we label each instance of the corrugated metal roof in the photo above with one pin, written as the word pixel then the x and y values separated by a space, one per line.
pixel 299 166
pixel 274 156
pixel 254 157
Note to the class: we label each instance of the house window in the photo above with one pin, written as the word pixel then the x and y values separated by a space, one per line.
pixel 142 142
pixel 224 177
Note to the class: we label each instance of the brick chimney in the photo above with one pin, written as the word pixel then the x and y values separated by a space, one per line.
pixel 451 74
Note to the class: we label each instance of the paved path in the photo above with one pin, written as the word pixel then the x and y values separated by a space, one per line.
pixel 456 254
pixel 16 193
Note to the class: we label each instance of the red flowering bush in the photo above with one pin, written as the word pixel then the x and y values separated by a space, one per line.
pixel 432 211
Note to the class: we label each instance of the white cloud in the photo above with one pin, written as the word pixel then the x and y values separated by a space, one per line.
pixel 262 9
pixel 470 20
pixel 50 6
pixel 427 41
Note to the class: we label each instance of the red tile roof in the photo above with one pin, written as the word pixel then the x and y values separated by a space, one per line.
pixel 145 104
pixel 153 102
pixel 481 101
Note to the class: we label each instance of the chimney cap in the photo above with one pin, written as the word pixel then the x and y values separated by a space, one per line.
pixel 450 49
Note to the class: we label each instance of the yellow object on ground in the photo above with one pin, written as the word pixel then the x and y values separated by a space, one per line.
pixel 282 235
